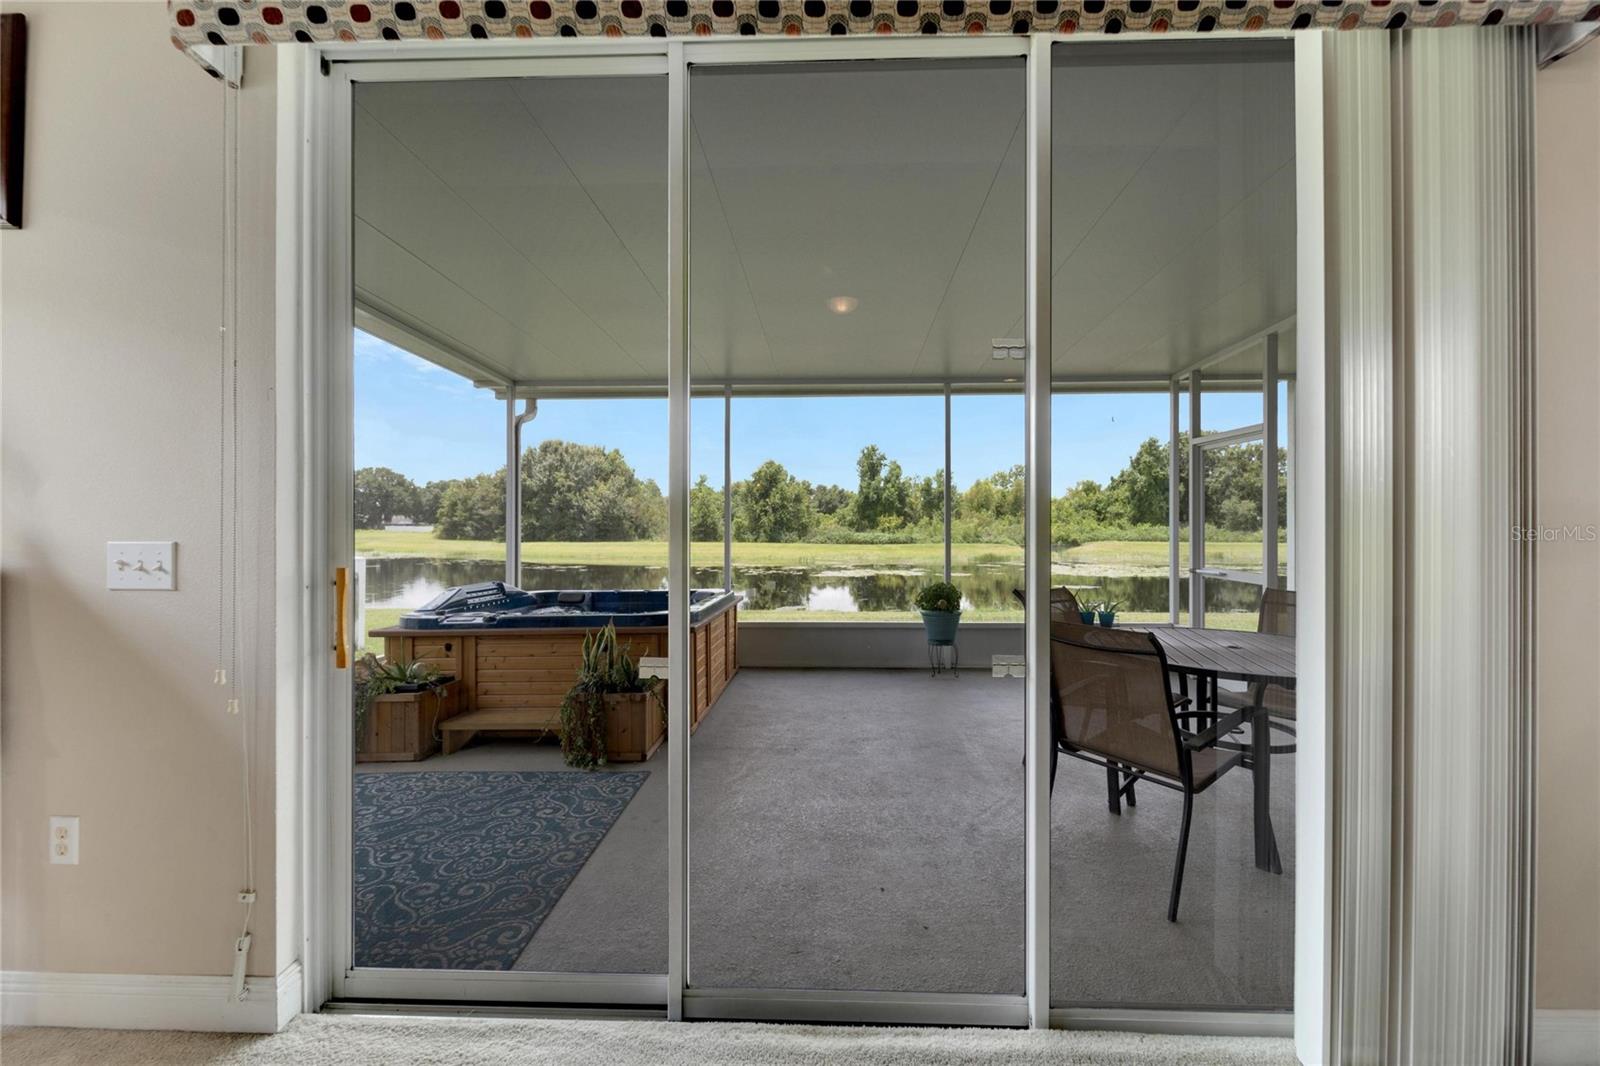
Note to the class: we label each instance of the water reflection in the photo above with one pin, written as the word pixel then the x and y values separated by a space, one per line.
pixel 985 587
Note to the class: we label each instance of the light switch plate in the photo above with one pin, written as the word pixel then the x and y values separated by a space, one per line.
pixel 142 564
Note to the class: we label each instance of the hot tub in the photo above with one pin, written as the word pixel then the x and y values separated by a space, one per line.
pixel 517 652
pixel 494 605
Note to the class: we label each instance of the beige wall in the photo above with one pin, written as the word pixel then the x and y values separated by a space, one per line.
pixel 1568 904
pixel 109 373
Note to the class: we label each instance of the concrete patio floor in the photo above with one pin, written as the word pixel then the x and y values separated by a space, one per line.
pixel 857 829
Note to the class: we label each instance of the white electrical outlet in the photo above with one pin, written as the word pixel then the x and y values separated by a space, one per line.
pixel 64 840
pixel 141 564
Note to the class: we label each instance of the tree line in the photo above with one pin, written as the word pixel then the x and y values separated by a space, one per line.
pixel 581 492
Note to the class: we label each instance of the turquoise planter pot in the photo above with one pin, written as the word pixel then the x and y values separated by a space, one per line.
pixel 941 625
pixel 1108 618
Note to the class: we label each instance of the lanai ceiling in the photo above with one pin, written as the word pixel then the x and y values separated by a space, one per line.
pixel 515 228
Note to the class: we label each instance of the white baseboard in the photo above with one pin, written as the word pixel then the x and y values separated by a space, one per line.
pixel 1566 1037
pixel 149 1001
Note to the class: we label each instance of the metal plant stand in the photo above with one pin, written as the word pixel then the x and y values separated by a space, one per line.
pixel 943 655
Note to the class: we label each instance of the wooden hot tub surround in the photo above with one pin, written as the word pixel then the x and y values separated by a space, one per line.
pixel 514 680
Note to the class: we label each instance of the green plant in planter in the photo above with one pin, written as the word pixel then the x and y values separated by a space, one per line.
pixel 1106 611
pixel 374 678
pixel 605 668
pixel 940 604
pixel 939 596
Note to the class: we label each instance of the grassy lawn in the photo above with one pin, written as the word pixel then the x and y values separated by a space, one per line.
pixel 1110 558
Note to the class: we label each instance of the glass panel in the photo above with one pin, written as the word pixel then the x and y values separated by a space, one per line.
pixel 1233 475
pixel 1174 237
pixel 987 462
pixel 856 821
pixel 426 441
pixel 1109 512
pixel 838 505
pixel 594 515
pixel 509 230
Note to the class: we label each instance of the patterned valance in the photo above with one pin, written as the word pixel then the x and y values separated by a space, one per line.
pixel 220 22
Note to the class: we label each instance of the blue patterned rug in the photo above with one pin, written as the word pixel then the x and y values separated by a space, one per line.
pixel 456 870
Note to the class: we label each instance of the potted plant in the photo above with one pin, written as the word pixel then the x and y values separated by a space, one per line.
pixel 1087 614
pixel 610 713
pixel 397 707
pixel 1106 612
pixel 940 604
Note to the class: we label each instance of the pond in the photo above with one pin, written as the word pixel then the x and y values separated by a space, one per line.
pixel 985 587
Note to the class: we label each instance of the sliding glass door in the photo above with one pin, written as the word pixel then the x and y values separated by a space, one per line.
pixel 856 816
pixel 729 640
pixel 1174 259
pixel 507 800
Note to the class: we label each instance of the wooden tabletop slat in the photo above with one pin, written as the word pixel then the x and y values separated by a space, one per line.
pixel 1227 653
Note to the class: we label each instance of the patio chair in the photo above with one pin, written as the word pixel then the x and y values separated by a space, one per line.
pixel 1113 708
pixel 1277 615
pixel 1064 606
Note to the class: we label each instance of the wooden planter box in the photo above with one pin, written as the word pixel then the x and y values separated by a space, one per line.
pixel 403 726
pixel 635 726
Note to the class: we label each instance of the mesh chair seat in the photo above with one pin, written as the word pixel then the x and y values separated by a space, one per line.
pixel 1277 699
pixel 1064 606
pixel 1208 764
pixel 1277 612
pixel 1111 707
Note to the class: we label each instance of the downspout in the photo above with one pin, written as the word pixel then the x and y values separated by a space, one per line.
pixel 514 424
pixel 727 488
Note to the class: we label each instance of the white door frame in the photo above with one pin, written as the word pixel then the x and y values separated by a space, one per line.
pixel 315 465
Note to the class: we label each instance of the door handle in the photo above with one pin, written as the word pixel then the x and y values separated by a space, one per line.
pixel 341 631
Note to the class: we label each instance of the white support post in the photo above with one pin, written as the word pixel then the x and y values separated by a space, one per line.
pixel 678 673
pixel 1037 541
pixel 727 488
pixel 1269 466
pixel 1197 508
pixel 947 497
pixel 513 494
pixel 1289 489
pixel 1173 498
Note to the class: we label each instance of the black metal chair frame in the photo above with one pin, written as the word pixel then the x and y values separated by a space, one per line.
pixel 1122 777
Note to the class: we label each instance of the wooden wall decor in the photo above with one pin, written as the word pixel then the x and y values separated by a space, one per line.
pixel 13 107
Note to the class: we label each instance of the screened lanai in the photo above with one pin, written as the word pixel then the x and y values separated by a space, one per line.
pixel 856 230
pixel 497 237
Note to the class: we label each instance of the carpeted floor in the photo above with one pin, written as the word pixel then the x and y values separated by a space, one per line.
pixel 343 1040
pixel 863 830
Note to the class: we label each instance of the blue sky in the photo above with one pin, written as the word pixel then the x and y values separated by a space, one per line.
pixel 430 424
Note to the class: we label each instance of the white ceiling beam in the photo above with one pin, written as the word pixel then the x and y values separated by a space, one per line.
pixel 1237 347
pixel 389 326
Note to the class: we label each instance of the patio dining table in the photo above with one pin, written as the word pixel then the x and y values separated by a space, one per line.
pixel 1213 655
